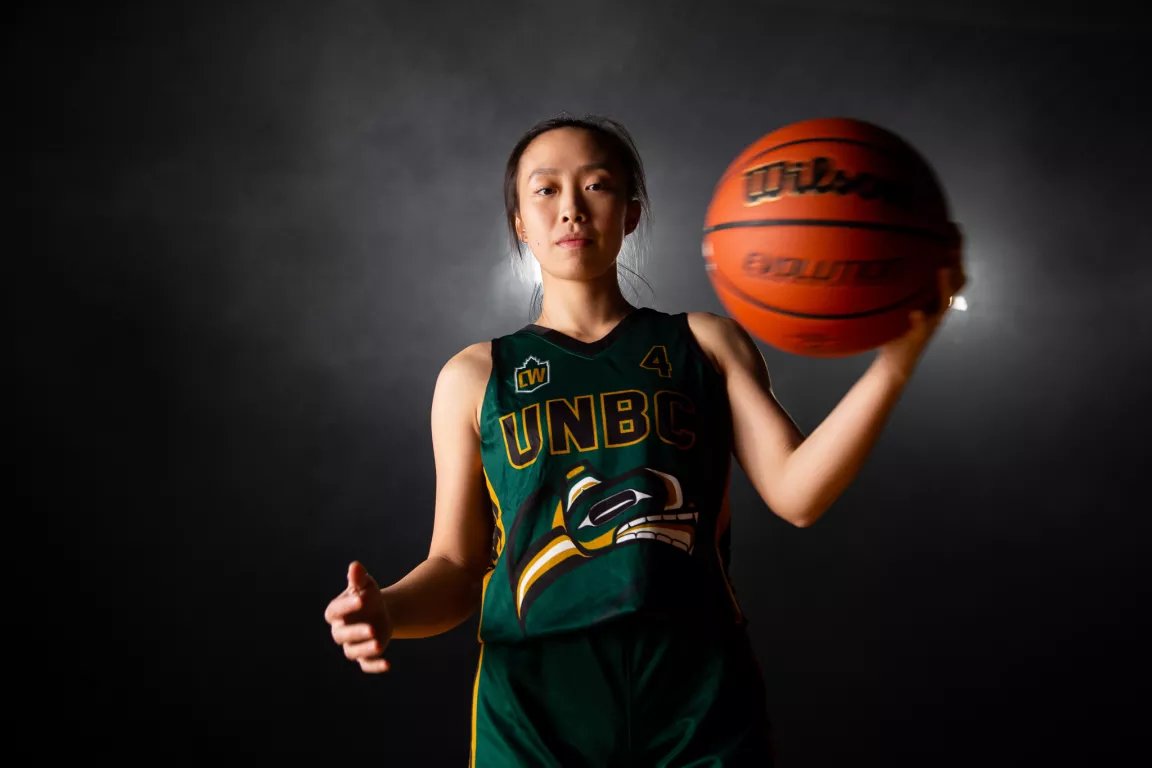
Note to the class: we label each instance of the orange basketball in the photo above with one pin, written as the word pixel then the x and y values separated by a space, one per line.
pixel 822 236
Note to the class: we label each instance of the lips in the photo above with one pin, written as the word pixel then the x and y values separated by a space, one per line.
pixel 575 242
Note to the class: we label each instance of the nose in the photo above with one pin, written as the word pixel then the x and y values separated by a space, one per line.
pixel 573 209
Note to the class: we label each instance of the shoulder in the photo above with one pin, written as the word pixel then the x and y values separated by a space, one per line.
pixel 723 340
pixel 464 377
pixel 473 358
pixel 468 367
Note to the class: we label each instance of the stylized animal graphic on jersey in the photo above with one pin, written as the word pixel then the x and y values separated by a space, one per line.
pixel 591 515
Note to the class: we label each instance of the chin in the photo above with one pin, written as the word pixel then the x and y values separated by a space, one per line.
pixel 586 264
pixel 582 272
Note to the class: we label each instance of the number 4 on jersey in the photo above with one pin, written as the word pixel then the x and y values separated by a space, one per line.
pixel 657 360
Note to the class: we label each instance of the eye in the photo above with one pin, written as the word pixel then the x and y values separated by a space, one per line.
pixel 542 190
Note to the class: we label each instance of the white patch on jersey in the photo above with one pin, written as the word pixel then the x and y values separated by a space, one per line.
pixel 532 374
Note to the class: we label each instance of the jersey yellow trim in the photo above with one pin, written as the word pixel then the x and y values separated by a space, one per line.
pixel 499 551
pixel 475 708
pixel 499 515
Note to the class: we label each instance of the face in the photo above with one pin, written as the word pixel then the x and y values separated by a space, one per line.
pixel 574 212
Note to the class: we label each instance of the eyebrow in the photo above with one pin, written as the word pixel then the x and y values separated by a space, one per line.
pixel 556 171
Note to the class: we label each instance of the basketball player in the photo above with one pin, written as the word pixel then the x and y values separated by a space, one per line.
pixel 582 468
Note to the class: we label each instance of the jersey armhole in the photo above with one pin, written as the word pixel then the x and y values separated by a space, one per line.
pixel 495 347
pixel 694 344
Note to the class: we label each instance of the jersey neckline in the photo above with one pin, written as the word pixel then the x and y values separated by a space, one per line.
pixel 588 348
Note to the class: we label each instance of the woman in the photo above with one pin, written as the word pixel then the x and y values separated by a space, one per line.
pixel 582 470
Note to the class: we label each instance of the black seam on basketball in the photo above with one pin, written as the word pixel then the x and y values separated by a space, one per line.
pixel 874 226
pixel 716 273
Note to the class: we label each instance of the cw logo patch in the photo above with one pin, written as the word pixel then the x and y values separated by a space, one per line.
pixel 591 515
pixel 532 374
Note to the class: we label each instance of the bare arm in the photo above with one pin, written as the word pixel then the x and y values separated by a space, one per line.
pixel 827 462
pixel 444 591
pixel 798 477
pixel 764 435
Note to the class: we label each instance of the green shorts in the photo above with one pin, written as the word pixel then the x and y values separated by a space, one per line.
pixel 627 693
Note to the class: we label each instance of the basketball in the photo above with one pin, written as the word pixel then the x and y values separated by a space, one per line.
pixel 822 236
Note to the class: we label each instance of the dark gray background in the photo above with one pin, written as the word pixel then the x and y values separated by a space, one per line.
pixel 245 237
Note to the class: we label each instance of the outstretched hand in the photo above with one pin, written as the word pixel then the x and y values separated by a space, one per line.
pixel 360 620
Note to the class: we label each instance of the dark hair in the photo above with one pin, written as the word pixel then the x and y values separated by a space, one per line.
pixel 616 139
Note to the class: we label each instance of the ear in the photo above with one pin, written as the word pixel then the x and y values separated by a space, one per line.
pixel 520 228
pixel 632 217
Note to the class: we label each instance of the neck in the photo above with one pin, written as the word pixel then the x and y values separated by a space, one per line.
pixel 583 309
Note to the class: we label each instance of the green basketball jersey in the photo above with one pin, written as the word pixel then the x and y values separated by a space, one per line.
pixel 607 464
